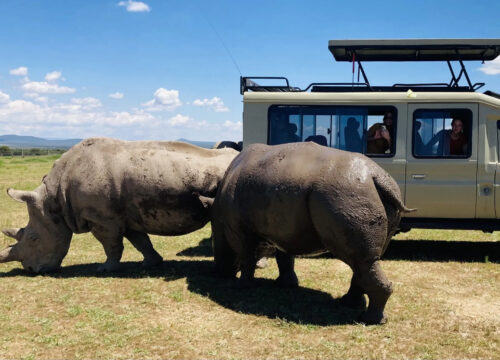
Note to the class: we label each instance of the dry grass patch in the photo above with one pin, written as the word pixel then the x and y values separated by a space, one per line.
pixel 445 303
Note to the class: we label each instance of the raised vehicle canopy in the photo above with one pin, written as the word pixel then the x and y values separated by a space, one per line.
pixel 415 50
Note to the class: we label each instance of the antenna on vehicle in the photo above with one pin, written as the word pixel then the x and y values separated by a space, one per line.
pixel 353 65
pixel 223 44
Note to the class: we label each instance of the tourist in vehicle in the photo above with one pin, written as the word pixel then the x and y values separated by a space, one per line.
pixel 352 137
pixel 451 142
pixel 379 136
pixel 283 131
pixel 292 133
pixel 419 146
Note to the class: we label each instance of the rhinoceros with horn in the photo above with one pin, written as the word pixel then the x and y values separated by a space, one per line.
pixel 113 189
pixel 304 198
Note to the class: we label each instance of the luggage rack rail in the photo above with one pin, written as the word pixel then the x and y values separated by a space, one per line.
pixel 248 84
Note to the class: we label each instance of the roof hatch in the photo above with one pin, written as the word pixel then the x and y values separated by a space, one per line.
pixel 415 50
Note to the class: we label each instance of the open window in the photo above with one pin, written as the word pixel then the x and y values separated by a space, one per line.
pixel 442 133
pixel 369 130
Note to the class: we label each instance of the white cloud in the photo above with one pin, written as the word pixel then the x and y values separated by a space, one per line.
pixel 43 87
pixel 42 99
pixel 20 71
pixel 135 6
pixel 164 100
pixel 214 103
pixel 117 95
pixel 179 120
pixel 87 102
pixel 53 76
pixel 491 67
pixel 233 125
pixel 39 114
pixel 4 98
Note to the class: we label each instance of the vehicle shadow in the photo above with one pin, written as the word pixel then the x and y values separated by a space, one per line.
pixel 412 250
pixel 299 306
pixel 434 250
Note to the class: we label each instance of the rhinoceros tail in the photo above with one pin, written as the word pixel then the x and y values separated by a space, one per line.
pixel 389 191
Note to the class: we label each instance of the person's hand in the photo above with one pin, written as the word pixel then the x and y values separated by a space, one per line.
pixel 385 134
pixel 378 134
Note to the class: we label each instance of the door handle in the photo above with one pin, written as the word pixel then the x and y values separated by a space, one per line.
pixel 418 176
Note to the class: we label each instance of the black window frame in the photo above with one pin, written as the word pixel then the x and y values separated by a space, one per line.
pixel 382 108
pixel 456 112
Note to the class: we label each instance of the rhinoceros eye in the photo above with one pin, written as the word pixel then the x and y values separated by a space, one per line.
pixel 33 237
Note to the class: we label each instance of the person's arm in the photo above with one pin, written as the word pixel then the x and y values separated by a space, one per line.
pixel 372 132
pixel 386 135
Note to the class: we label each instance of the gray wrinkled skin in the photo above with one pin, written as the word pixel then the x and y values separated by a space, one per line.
pixel 116 188
pixel 303 198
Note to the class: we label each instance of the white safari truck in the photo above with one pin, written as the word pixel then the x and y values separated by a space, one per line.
pixel 440 141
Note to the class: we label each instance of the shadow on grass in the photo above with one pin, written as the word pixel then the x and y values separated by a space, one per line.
pixel 203 249
pixel 288 306
pixel 433 250
pixel 412 250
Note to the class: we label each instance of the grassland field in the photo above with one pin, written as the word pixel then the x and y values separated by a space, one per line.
pixel 446 300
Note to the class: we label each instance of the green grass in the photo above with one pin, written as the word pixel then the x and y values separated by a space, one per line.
pixel 445 304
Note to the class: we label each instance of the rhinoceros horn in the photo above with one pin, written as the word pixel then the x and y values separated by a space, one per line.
pixel 207 202
pixel 22 196
pixel 14 233
pixel 9 254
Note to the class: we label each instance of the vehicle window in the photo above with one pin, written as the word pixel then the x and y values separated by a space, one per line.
pixel 442 133
pixel 365 129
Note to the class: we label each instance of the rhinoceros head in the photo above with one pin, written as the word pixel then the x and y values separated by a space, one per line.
pixel 44 242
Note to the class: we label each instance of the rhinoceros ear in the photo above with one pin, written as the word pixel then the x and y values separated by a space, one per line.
pixel 14 233
pixel 22 196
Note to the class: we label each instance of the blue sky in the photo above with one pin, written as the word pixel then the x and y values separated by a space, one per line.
pixel 157 69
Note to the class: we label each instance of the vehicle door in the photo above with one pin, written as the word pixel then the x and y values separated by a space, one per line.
pixel 441 183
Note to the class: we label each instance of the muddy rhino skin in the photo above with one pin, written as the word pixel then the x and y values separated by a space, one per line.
pixel 303 198
pixel 112 189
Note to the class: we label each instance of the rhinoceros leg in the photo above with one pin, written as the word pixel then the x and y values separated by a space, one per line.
pixel 374 282
pixel 286 263
pixel 226 261
pixel 112 243
pixel 143 244
pixel 355 297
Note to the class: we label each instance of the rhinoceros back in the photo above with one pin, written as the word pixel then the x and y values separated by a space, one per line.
pixel 293 192
pixel 143 185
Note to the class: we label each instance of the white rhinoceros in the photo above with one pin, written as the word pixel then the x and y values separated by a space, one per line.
pixel 304 198
pixel 116 188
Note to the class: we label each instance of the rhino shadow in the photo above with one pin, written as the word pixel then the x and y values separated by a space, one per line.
pixel 300 305
pixel 203 249
pixel 128 269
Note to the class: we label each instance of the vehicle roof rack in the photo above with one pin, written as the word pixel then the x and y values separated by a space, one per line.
pixel 248 83
pixel 415 50
pixel 419 50
pixel 395 50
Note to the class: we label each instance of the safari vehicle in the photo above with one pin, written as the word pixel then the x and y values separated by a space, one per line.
pixel 450 189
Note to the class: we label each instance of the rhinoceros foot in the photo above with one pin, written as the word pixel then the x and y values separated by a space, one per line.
pixel 152 261
pixel 289 280
pixel 372 318
pixel 353 301
pixel 109 267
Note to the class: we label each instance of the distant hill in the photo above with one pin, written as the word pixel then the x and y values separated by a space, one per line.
pixel 16 141
pixel 203 144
